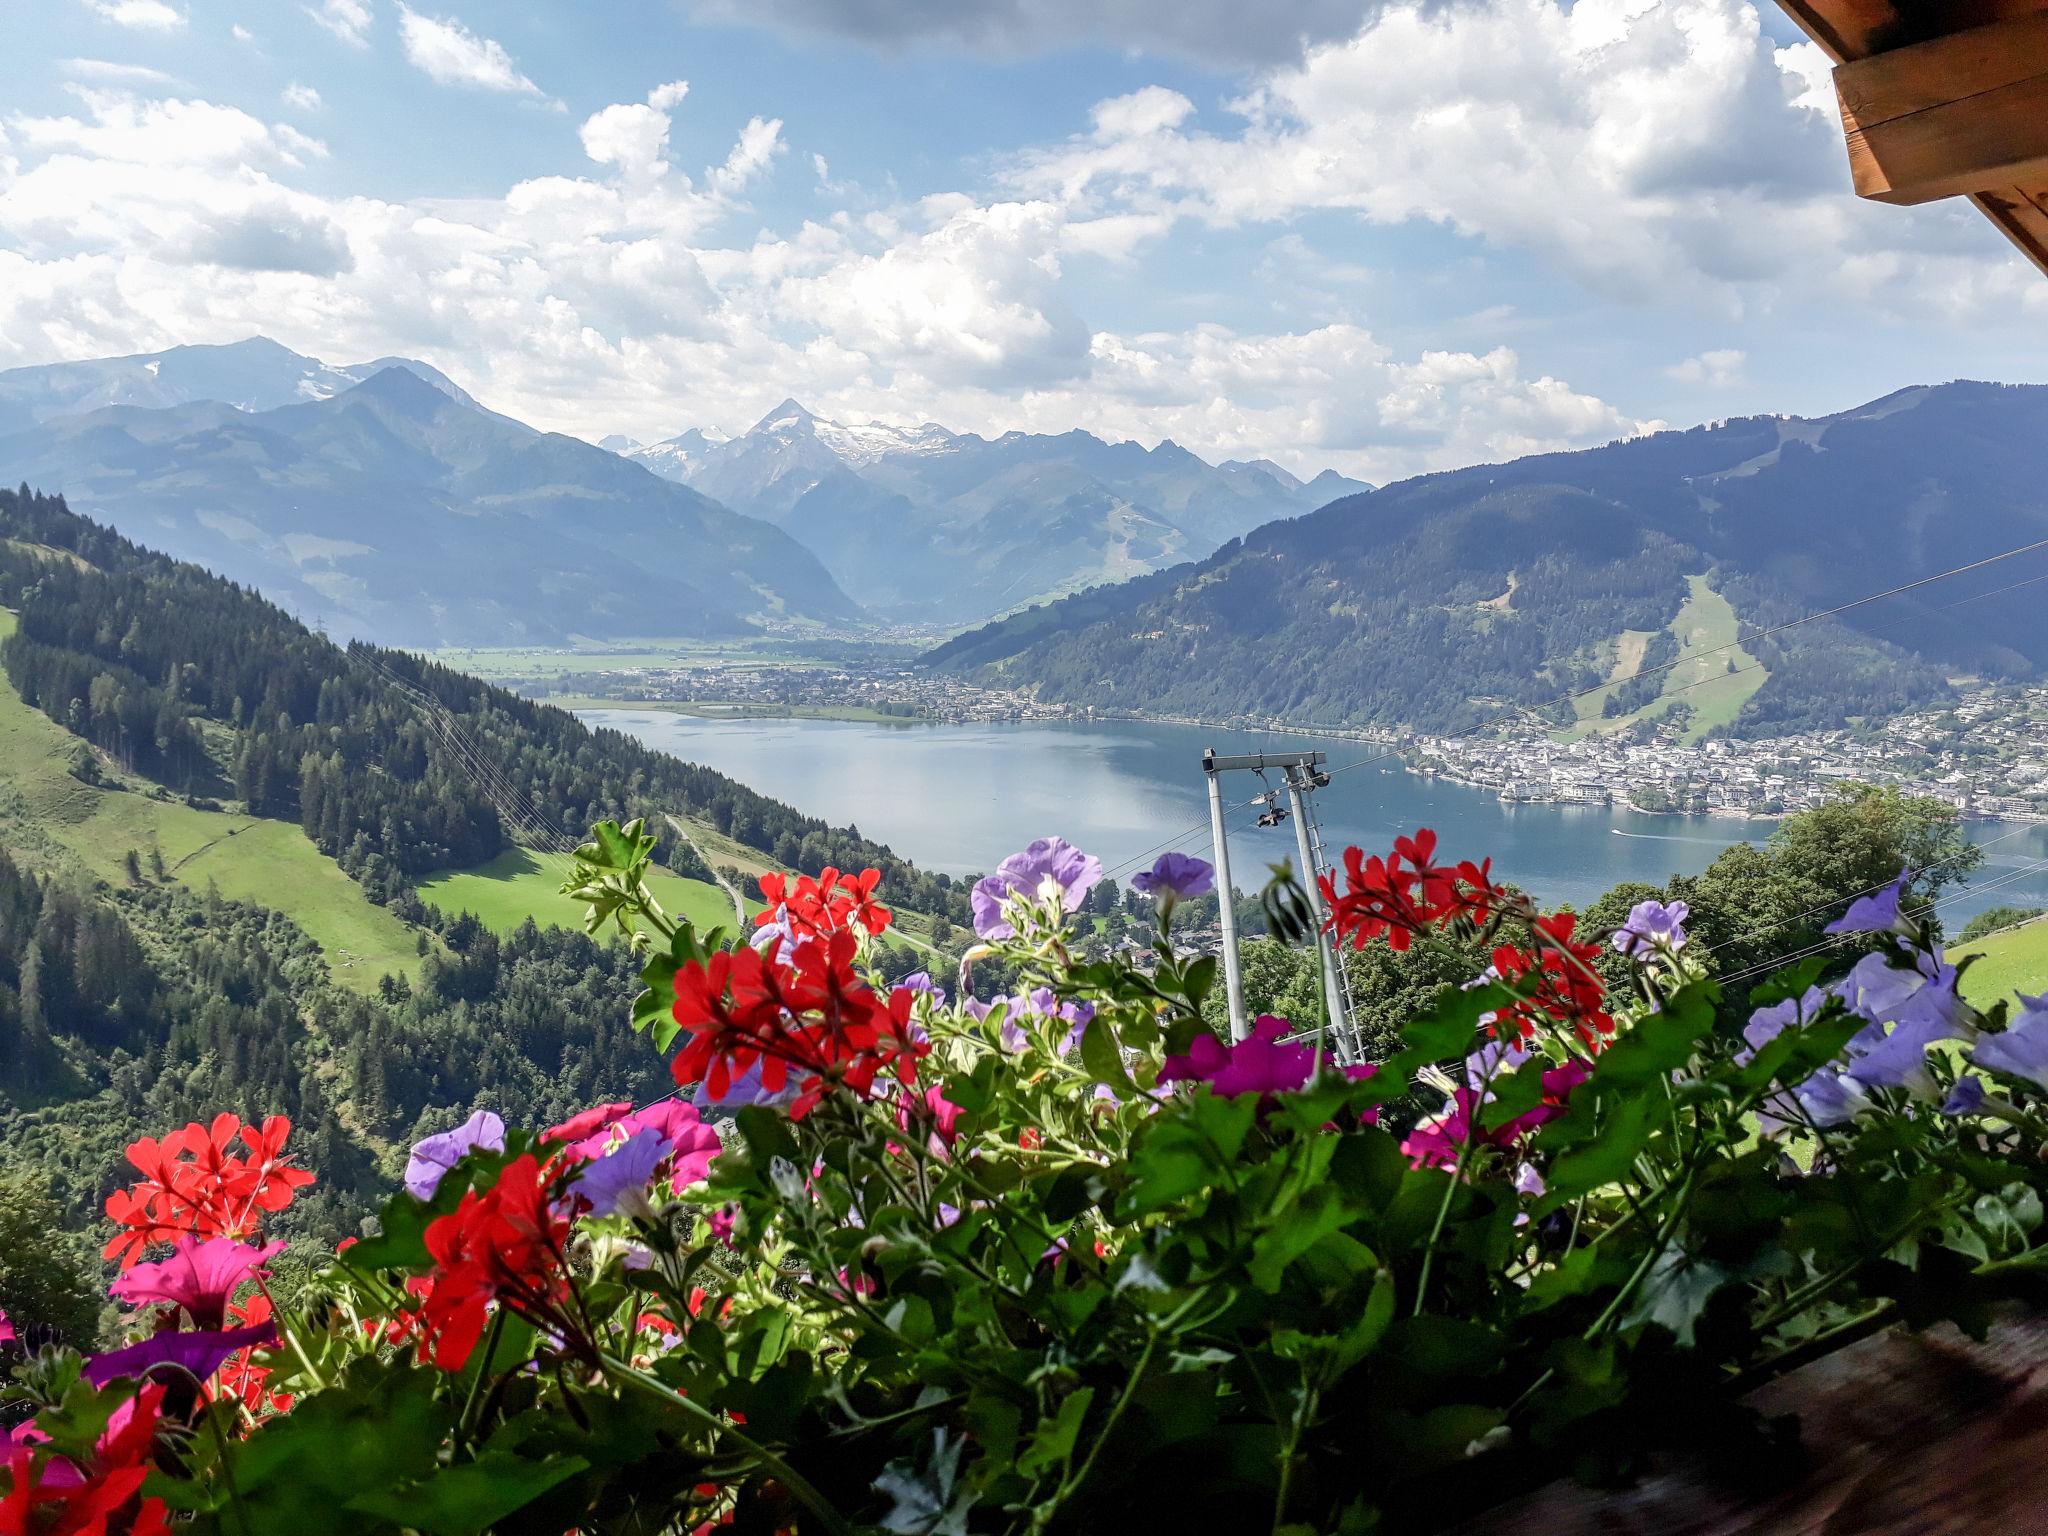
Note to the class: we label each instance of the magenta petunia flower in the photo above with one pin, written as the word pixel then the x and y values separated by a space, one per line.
pixel 433 1156
pixel 1179 875
pixel 201 1277
pixel 1048 863
pixel 201 1353
pixel 1259 1063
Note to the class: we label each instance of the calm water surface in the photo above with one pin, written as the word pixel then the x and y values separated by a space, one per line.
pixel 959 797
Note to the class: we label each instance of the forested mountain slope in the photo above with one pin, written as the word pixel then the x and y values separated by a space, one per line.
pixel 397 511
pixel 1433 602
pixel 134 996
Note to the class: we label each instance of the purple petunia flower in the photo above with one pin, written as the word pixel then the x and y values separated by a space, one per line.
pixel 618 1179
pixel 2022 1050
pixel 433 1156
pixel 1966 1098
pixel 1878 912
pixel 199 1276
pixel 1179 875
pixel 1652 925
pixel 746 1089
pixel 1048 864
pixel 1040 1003
pixel 200 1353
pixel 921 981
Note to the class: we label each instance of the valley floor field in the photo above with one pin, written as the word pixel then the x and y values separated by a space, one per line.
pixel 521 883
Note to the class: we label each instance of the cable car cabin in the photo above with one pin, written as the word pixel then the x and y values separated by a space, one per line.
pixel 1944 98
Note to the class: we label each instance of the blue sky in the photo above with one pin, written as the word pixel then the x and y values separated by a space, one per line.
pixel 1372 236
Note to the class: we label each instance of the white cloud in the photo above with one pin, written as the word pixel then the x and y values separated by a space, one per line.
pixel 1717 368
pixel 108 71
pixel 1653 147
pixel 304 97
pixel 759 143
pixel 1646 148
pixel 139 15
pixel 634 135
pixel 348 20
pixel 448 52
pixel 241 34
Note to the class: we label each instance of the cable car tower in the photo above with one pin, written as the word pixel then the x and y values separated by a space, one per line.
pixel 1303 774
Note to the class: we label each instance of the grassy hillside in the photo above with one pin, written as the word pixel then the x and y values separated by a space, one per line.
pixel 1703 625
pixel 2014 961
pixel 270 863
pixel 520 883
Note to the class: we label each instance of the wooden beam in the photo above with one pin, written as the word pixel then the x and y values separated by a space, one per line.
pixel 1960 115
pixel 1855 29
pixel 2022 213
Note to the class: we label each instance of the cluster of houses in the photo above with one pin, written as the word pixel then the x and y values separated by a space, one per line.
pixel 1987 755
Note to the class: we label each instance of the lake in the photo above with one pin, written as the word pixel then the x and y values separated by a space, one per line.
pixel 958 798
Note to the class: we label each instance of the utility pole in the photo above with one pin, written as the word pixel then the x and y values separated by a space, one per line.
pixel 1302 770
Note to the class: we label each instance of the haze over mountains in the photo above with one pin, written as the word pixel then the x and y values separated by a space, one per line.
pixel 1439 600
pixel 927 524
pixel 385 502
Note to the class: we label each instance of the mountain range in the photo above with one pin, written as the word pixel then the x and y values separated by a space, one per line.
pixel 1451 598
pixel 943 527
pixel 385 502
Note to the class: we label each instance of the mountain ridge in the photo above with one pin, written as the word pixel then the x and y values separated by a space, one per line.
pixel 403 511
pixel 1445 599
pixel 932 525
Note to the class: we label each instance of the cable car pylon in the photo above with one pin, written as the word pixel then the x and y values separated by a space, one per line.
pixel 1303 775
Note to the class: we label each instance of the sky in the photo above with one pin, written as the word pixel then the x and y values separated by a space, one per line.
pixel 1381 238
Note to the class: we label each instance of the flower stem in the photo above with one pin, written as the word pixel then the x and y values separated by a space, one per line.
pixel 798 1485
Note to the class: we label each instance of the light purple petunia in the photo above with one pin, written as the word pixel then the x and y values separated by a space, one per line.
pixel 1652 925
pixel 2022 1049
pixel 617 1180
pixel 201 1353
pixel 1877 912
pixel 1179 875
pixel 1039 1003
pixel 1049 863
pixel 921 981
pixel 433 1156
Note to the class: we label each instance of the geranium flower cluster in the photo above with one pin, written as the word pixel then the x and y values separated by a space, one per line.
pixel 49 1495
pixel 504 1245
pixel 192 1183
pixel 1407 893
pixel 812 1015
pixel 835 900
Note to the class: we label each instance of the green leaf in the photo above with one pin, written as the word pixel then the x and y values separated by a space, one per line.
pixel 1608 1154
pixel 1295 1232
pixel 1105 1063
pixel 1053 1442
pixel 466 1499
pixel 1676 1292
pixel 1448 1026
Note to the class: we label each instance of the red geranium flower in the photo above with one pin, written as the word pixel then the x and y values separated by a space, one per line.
pixel 1566 988
pixel 192 1184
pixel 1407 893
pixel 813 1015
pixel 503 1245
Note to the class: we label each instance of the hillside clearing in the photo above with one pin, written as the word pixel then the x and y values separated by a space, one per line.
pixel 267 863
pixel 521 883
pixel 1705 628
